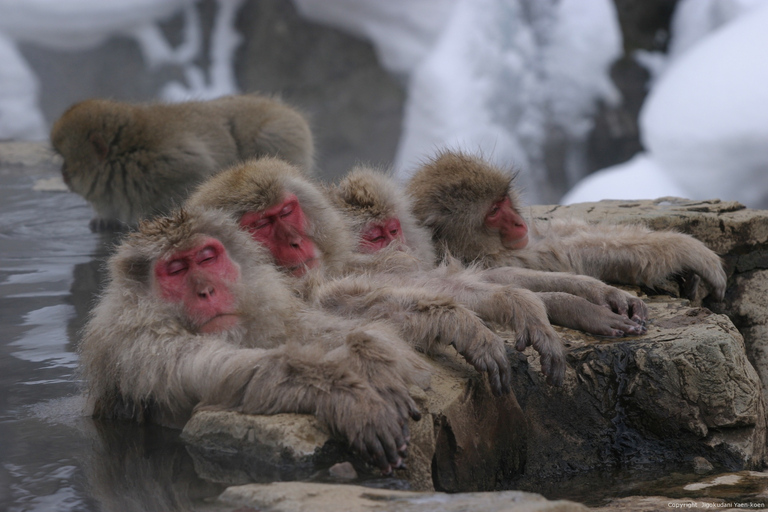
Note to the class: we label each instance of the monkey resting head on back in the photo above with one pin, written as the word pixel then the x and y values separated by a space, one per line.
pixel 133 161
pixel 379 213
pixel 196 315
pixel 296 221
pixel 473 212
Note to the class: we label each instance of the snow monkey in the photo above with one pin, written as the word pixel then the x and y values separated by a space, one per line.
pixel 196 315
pixel 472 210
pixel 132 161
pixel 307 236
pixel 379 212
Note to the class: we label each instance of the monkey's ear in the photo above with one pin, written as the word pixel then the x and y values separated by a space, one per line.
pixel 99 145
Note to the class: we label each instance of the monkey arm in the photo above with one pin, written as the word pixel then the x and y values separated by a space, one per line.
pixel 305 378
pixel 629 254
pixel 525 313
pixel 423 318
pixel 577 313
pixel 589 288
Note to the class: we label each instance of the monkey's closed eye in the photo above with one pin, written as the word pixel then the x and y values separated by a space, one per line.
pixel 176 267
pixel 207 255
pixel 258 224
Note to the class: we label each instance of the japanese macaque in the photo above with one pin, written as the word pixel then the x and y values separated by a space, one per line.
pixel 195 315
pixel 306 235
pixel 473 212
pixel 372 201
pixel 133 161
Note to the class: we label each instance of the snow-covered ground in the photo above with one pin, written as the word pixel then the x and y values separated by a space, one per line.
pixel 496 77
pixel 704 124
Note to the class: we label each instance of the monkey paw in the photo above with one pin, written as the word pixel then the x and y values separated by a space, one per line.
pixel 380 435
pixel 547 343
pixel 486 352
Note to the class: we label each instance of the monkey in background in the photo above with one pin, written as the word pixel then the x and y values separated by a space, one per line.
pixel 196 316
pixel 309 238
pixel 131 161
pixel 473 212
pixel 380 214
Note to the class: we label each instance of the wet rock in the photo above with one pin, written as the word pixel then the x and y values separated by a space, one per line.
pixel 702 466
pixel 282 496
pixel 684 389
pixel 343 471
pixel 467 439
pixel 35 156
pixel 727 491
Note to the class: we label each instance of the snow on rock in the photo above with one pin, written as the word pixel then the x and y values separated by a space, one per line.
pixel 502 74
pixel 638 178
pixel 402 31
pixel 20 117
pixel 78 24
pixel 705 122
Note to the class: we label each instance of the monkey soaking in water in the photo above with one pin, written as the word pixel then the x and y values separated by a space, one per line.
pixel 133 161
pixel 308 237
pixel 196 315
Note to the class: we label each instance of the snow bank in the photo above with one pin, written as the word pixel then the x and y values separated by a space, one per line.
pixel 706 120
pixel 502 74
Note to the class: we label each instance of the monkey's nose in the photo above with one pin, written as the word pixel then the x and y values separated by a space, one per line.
pixel 206 292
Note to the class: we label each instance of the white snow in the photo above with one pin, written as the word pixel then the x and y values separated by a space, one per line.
pixel 402 31
pixel 504 72
pixel 82 24
pixel 638 178
pixel 705 122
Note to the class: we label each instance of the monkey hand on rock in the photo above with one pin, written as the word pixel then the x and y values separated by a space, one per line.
pixel 375 427
pixel 473 212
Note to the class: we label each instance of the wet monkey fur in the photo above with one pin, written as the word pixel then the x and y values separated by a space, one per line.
pixel 195 315
pixel 131 161
pixel 371 201
pixel 473 213
pixel 293 217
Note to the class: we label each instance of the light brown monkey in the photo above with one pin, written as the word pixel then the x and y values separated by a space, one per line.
pixel 380 214
pixel 131 161
pixel 195 315
pixel 294 219
pixel 473 212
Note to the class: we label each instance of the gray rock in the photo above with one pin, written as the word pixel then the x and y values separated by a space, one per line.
pixel 467 439
pixel 296 496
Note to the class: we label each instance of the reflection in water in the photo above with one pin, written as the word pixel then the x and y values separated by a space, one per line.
pixel 52 457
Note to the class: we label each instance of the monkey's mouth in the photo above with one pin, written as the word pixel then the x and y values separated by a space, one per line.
pixel 518 243
pixel 220 323
pixel 301 269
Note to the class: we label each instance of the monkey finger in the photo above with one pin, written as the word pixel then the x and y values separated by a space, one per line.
pixel 376 455
pixel 406 437
pixel 638 310
pixel 522 342
pixel 495 380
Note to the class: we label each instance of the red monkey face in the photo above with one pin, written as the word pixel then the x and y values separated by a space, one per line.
pixel 282 228
pixel 510 225
pixel 201 280
pixel 379 235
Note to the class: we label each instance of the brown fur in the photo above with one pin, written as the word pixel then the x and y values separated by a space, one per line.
pixel 572 301
pixel 452 193
pixel 131 161
pixel 366 195
pixel 143 361
pixel 389 284
pixel 260 183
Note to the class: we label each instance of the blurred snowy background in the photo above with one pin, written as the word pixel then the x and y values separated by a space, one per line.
pixel 588 99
